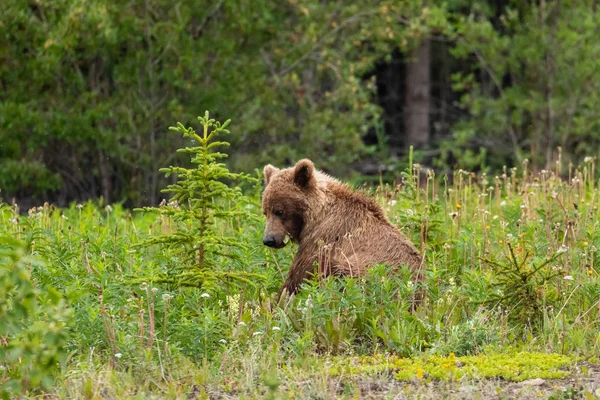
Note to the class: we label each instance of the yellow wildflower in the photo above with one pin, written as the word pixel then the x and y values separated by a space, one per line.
pixel 420 373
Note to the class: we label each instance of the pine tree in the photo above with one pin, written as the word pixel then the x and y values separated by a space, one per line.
pixel 199 200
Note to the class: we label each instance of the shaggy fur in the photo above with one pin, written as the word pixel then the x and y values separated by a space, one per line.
pixel 342 230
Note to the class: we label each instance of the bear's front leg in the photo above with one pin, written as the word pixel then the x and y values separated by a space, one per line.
pixel 303 267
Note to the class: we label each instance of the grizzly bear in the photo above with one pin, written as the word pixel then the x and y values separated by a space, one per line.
pixel 340 230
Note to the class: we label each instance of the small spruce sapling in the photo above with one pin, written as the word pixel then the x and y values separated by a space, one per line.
pixel 199 200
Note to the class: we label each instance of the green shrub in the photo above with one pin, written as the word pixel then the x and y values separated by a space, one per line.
pixel 33 323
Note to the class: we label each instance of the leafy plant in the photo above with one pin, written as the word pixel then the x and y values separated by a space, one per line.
pixel 347 313
pixel 200 199
pixel 33 324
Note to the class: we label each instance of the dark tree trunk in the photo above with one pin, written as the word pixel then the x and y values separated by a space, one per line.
pixel 417 96
pixel 105 177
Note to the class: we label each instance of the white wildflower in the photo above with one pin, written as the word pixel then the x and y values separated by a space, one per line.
pixel 276 328
pixel 568 278
pixel 205 295
pixel 562 249
pixel 257 333
pixel 118 355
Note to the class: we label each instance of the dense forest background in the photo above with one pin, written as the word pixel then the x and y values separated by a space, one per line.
pixel 88 88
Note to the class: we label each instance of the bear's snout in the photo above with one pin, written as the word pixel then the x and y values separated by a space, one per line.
pixel 272 241
pixel 269 241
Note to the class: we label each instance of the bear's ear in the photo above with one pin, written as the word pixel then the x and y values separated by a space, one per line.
pixel 268 172
pixel 303 172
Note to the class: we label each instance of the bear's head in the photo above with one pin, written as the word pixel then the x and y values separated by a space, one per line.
pixel 288 196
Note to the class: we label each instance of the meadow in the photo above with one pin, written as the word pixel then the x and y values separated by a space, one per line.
pixel 94 304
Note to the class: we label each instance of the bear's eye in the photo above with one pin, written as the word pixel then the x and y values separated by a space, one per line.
pixel 278 213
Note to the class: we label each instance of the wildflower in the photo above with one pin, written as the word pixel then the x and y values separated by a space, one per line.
pixel 205 295
pixel 167 297
pixel 392 202
pixel 453 215
pixel 276 328
pixel 503 203
pixel 233 303
pixel 242 323
pixel 79 206
pixel 223 341
pixel 487 227
pixel 458 206
pixel 257 333
pixel 144 286
pixel 154 290
pixel 562 249
pixel 590 271
pixel 420 373
pixel 118 355
pixel 568 278
pixel 585 243
pixel 108 208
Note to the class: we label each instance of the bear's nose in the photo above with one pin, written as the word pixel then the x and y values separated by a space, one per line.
pixel 269 241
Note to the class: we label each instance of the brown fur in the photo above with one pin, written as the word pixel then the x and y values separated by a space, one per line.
pixel 342 230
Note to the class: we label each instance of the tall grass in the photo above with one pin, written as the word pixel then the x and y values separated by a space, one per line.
pixel 511 262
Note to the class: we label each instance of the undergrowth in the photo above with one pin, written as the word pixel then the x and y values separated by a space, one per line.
pixel 511 263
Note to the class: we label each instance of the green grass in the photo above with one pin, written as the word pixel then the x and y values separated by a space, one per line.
pixel 511 279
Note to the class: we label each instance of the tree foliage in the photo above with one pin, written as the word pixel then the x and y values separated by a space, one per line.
pixel 534 82
pixel 87 88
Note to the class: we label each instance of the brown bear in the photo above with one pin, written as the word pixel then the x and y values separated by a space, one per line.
pixel 341 230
